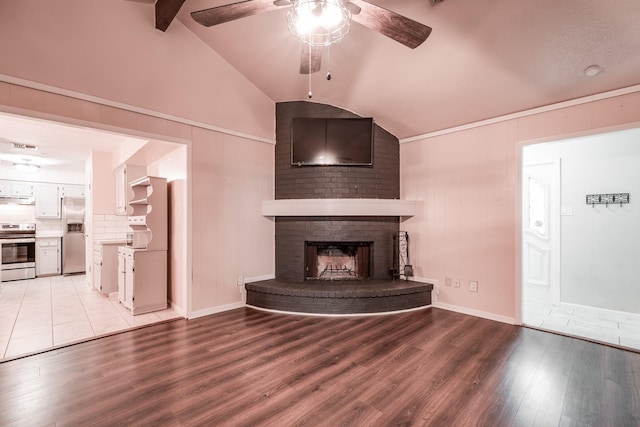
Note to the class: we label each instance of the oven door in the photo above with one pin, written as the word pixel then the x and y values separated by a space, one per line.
pixel 18 260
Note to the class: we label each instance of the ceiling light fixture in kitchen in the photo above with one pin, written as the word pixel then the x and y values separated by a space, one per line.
pixel 26 166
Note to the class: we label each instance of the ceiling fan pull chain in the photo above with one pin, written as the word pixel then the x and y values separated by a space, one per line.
pixel 329 62
pixel 309 73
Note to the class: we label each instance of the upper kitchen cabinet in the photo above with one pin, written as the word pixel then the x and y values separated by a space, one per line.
pixel 21 189
pixel 124 174
pixel 16 189
pixel 72 191
pixel 47 200
pixel 5 189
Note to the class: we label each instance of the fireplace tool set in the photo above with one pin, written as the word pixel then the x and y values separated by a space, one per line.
pixel 402 268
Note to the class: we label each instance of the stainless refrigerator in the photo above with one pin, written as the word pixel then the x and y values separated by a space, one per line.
pixel 73 238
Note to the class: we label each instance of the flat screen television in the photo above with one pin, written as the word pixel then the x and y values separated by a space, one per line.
pixel 331 141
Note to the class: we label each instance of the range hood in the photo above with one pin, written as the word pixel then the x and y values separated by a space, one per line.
pixel 16 200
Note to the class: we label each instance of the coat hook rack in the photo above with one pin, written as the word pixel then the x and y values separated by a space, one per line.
pixel 606 199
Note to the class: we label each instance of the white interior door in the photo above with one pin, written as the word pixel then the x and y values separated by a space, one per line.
pixel 541 232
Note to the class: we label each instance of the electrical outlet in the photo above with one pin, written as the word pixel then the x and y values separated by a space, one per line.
pixel 447 282
pixel 456 283
pixel 240 280
pixel 473 286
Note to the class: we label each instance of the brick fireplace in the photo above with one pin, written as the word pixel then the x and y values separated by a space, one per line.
pixel 293 233
pixel 358 278
pixel 380 181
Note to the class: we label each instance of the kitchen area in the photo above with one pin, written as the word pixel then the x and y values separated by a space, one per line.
pixel 70 237
pixel 59 250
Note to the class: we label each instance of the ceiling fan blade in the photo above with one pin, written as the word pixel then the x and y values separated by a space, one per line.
pixel 310 59
pixel 397 27
pixel 231 12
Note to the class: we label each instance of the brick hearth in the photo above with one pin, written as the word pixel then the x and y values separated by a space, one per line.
pixel 343 297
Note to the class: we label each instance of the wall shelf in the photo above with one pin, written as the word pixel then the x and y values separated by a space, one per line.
pixel 339 207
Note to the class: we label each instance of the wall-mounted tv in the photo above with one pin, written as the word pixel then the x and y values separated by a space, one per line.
pixel 331 141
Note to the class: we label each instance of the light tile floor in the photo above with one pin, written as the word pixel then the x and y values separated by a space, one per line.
pixel 614 327
pixel 47 312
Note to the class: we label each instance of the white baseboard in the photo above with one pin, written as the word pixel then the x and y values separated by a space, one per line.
pixel 434 282
pixel 181 311
pixel 476 313
pixel 214 310
pixel 232 306
pixel 259 278
pixel 604 313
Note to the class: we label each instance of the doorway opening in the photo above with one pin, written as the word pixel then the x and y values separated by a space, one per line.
pixel 578 264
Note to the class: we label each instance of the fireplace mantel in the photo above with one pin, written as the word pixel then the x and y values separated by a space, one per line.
pixel 339 207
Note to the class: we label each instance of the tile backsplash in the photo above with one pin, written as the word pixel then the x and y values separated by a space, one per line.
pixel 26 213
pixel 109 227
pixel 17 213
pixel 103 227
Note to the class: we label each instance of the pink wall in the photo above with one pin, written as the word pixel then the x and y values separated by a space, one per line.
pixel 231 238
pixel 111 49
pixel 469 181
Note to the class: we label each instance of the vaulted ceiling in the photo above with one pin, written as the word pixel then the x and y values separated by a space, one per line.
pixel 484 58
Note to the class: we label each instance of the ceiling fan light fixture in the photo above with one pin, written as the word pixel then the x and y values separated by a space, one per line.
pixel 319 22
pixel 26 166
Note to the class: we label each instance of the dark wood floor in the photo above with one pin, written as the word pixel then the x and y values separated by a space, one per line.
pixel 249 368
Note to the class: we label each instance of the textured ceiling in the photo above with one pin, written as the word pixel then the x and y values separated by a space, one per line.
pixel 484 58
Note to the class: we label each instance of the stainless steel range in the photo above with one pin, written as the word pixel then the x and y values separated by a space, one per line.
pixel 18 255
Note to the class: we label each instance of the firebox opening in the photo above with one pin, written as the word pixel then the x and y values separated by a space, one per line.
pixel 337 260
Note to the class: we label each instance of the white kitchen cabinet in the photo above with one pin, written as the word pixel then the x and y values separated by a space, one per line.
pixel 48 256
pixel 5 188
pixel 47 200
pixel 21 189
pixel 124 174
pixel 105 266
pixel 142 279
pixel 68 190
pixel 16 189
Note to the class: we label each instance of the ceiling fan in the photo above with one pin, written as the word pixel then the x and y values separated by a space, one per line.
pixel 397 27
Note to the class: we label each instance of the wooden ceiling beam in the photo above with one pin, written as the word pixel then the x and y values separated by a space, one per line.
pixel 166 11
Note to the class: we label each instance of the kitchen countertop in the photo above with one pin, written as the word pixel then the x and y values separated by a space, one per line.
pixel 48 233
pixel 110 242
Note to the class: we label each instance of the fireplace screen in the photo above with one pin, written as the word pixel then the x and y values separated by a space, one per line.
pixel 337 260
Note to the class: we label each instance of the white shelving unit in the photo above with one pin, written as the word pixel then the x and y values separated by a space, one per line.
pixel 142 268
pixel 148 211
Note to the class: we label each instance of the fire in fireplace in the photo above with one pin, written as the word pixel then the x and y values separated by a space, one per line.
pixel 337 260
